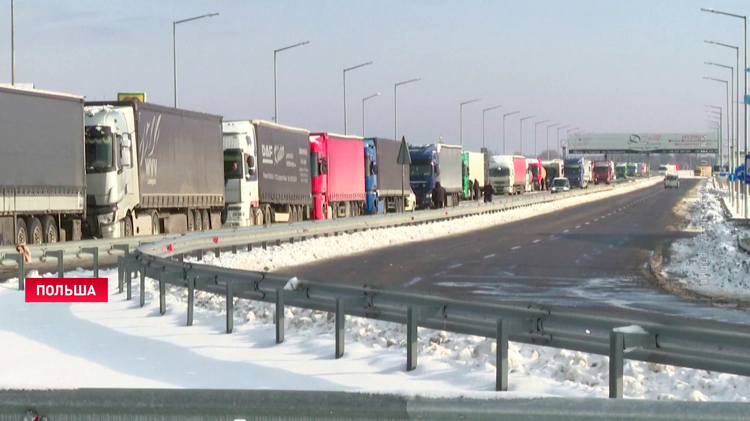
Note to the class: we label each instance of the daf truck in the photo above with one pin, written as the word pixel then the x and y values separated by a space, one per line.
pixel 151 169
pixel 436 163
pixel 43 166
pixel 272 188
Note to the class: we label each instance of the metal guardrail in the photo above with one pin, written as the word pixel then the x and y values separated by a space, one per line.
pixel 235 405
pixel 107 250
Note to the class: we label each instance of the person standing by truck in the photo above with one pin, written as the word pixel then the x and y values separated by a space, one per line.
pixel 438 196
pixel 488 192
pixel 477 189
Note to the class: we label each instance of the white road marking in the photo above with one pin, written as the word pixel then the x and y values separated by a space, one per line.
pixel 588 223
pixel 455 266
pixel 578 226
pixel 413 281
pixel 516 248
pixel 566 231
pixel 489 256
pixel 536 241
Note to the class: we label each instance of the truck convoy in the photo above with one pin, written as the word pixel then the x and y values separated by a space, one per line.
pixel 578 172
pixel 621 169
pixel 338 185
pixel 42 166
pixel 273 188
pixel 509 174
pixel 538 173
pixel 436 163
pixel 554 169
pixel 151 169
pixel 473 169
pixel 384 177
pixel 602 172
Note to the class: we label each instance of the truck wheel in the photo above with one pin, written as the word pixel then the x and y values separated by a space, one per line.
pixel 190 220
pixel 267 214
pixel 206 223
pixel 154 223
pixel 36 232
pixel 197 221
pixel 22 234
pixel 50 229
pixel 128 226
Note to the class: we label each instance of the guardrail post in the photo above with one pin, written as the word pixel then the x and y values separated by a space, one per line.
pixel 181 257
pixel 265 245
pixel 217 252
pixel 340 327
pixel 21 269
pixel 412 315
pixel 280 315
pixel 200 255
pixel 58 254
pixel 234 249
pixel 121 269
pixel 95 253
pixel 616 354
pixel 230 307
pixel 501 364
pixel 128 279
pixel 143 286
pixel 162 294
pixel 191 299
pixel 120 272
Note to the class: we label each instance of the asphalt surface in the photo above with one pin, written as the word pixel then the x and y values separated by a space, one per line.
pixel 595 254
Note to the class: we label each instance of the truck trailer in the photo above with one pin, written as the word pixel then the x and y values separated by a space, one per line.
pixel 473 169
pixel 338 182
pixel 152 169
pixel 509 174
pixel 42 166
pixel 578 172
pixel 436 163
pixel 274 188
pixel 602 172
pixel 385 177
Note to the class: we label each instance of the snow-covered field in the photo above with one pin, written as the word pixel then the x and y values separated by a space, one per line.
pixel 318 249
pixel 118 344
pixel 711 263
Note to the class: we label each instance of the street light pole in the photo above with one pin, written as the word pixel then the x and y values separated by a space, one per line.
pixel 275 96
pixel 521 134
pixel 745 121
pixel 549 127
pixel 536 155
pixel 567 135
pixel 395 105
pixel 726 85
pixel 363 111
pixel 730 107
pixel 558 139
pixel 12 43
pixel 505 115
pixel 174 48
pixel 346 70
pixel 484 143
pixel 461 119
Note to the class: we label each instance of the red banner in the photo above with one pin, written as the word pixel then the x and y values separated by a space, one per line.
pixel 67 290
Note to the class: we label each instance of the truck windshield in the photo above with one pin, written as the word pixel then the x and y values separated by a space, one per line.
pixel 601 169
pixel 499 172
pixel 572 169
pixel 99 149
pixel 552 172
pixel 232 164
pixel 421 170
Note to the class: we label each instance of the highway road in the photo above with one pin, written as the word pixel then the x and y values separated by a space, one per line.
pixel 593 254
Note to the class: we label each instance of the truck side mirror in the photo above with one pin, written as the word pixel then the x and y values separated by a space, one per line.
pixel 437 169
pixel 125 158
pixel 125 142
pixel 324 166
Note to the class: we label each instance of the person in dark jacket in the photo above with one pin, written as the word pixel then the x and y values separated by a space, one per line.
pixel 438 196
pixel 488 192
pixel 476 189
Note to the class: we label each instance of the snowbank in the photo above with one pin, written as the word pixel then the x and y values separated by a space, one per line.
pixel 711 263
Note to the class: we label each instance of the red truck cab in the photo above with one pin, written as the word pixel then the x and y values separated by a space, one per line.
pixel 602 172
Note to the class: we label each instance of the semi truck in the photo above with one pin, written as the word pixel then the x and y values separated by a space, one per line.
pixel 538 173
pixel 554 168
pixel 509 174
pixel 621 169
pixel 667 169
pixel 273 188
pixel 578 172
pixel 152 169
pixel 602 172
pixel 632 169
pixel 338 184
pixel 473 169
pixel 385 177
pixel 42 166
pixel 436 163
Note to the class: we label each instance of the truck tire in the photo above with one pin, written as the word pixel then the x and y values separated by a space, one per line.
pixel 22 233
pixel 197 221
pixel 49 228
pixel 190 220
pixel 206 223
pixel 266 215
pixel 36 233
pixel 128 228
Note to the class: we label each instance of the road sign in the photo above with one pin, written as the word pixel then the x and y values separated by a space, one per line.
pixel 131 96
pixel 403 153
pixel 747 167
pixel 747 99
pixel 732 177
pixel 740 173
pixel 723 174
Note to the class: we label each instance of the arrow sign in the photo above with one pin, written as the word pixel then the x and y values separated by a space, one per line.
pixel 403 154
pixel 732 177
pixel 740 173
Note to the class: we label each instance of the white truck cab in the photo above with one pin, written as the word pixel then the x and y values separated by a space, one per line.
pixel 240 175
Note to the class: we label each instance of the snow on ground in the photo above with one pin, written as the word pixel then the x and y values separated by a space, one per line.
pixel 711 263
pixel 323 248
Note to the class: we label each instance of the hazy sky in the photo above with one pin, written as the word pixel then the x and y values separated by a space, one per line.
pixel 601 65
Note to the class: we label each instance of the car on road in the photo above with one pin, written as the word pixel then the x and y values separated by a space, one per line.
pixel 671 181
pixel 560 184
pixel 411 202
